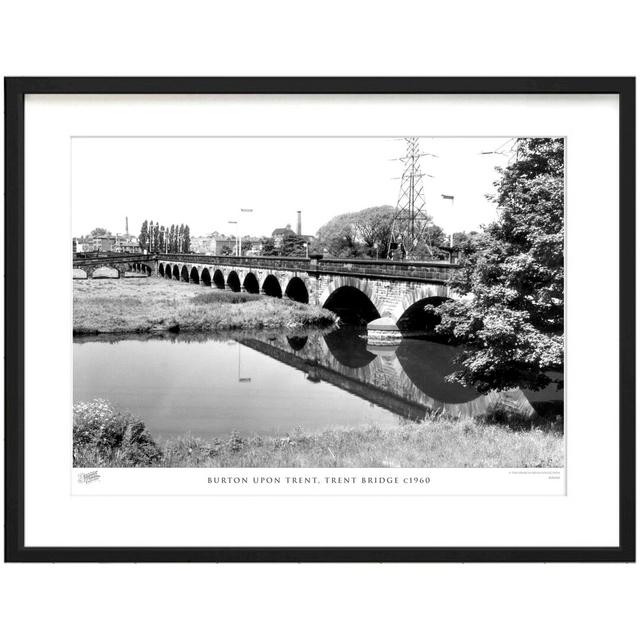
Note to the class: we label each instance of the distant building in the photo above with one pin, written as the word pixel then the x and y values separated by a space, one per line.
pixel 127 246
pixel 104 243
pixel 86 247
pixel 202 244
pixel 214 244
pixel 280 234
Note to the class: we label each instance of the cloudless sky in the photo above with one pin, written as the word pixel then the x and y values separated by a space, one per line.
pixel 204 182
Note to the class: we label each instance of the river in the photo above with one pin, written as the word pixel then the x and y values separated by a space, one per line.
pixel 273 383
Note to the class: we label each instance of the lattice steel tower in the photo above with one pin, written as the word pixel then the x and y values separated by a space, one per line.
pixel 411 223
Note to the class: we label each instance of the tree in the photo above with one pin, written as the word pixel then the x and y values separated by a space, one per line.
pixel 100 231
pixel 428 249
pixel 162 238
pixel 512 322
pixel 373 228
pixel 176 239
pixel 172 239
pixel 186 240
pixel 180 238
pixel 143 238
pixel 354 235
pixel 154 232
pixel 368 233
pixel 269 247
pixel 461 238
pixel 151 247
pixel 293 245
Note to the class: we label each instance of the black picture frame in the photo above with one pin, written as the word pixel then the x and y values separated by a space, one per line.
pixel 15 91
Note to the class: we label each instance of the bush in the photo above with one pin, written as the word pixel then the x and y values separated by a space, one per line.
pixel 103 436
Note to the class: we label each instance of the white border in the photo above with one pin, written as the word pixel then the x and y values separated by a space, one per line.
pixel 587 516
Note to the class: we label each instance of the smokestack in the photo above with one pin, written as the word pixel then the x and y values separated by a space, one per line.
pixel 126 225
pixel 299 223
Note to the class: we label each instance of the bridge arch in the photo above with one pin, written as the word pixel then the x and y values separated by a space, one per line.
pixel 410 311
pixel 250 283
pixel 218 279
pixel 352 305
pixel 105 271
pixel 194 276
pixel 363 285
pixel 354 300
pixel 297 290
pixel 416 294
pixel 168 271
pixel 233 281
pixel 205 277
pixel 271 286
pixel 161 270
pixel 176 272
pixel 422 315
pixel 184 274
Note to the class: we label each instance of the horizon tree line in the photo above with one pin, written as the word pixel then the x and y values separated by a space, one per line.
pixel 158 238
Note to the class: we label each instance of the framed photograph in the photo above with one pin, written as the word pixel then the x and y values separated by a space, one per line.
pixel 320 319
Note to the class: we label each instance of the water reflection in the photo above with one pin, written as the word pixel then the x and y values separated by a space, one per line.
pixel 349 347
pixel 274 381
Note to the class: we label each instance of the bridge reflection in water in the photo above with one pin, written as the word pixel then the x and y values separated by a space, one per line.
pixel 210 385
pixel 408 379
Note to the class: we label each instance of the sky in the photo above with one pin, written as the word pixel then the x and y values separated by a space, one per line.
pixel 206 181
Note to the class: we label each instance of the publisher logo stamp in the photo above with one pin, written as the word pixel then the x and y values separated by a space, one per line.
pixel 88 477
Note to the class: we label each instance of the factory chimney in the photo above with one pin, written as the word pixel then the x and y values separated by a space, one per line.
pixel 299 228
pixel 126 225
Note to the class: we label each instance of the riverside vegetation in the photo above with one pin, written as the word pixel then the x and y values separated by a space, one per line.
pixel 103 436
pixel 152 305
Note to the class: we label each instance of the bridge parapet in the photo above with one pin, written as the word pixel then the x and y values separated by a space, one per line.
pixel 112 258
pixel 412 270
pixel 253 262
pixel 397 270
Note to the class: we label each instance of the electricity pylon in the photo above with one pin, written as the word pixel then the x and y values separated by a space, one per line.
pixel 411 222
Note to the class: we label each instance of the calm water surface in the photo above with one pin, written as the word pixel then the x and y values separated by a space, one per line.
pixel 273 383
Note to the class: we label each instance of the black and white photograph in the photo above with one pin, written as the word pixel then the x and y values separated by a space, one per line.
pixel 318 302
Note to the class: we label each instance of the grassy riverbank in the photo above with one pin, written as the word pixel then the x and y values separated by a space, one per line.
pixel 152 305
pixel 105 437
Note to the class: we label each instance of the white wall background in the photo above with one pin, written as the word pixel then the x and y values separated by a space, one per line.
pixel 329 38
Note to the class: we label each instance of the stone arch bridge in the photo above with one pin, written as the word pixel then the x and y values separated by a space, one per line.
pixel 382 293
